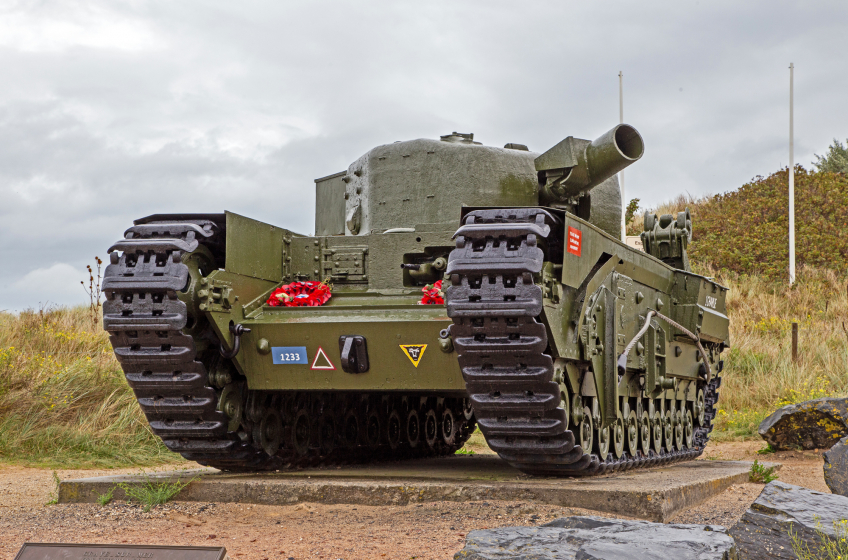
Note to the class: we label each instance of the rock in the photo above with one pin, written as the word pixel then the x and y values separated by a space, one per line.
pixel 763 530
pixel 816 424
pixel 836 468
pixel 596 538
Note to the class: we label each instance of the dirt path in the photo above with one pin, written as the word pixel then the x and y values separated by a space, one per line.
pixel 426 531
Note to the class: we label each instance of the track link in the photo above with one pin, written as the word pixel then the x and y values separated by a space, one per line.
pixel 501 345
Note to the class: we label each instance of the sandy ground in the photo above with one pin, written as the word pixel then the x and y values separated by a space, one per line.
pixel 426 531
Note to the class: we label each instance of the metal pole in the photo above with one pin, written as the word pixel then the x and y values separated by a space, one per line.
pixel 791 175
pixel 794 343
pixel 621 173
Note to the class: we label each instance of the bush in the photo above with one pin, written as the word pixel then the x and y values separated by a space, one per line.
pixel 746 231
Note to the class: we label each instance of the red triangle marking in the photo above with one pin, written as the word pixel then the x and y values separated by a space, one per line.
pixel 318 354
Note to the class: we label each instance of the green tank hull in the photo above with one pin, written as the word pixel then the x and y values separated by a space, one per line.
pixel 575 353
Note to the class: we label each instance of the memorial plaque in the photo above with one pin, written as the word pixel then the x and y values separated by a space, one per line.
pixel 56 551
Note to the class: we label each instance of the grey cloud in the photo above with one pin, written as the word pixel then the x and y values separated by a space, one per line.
pixel 114 111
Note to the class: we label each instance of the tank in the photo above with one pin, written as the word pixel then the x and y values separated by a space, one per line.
pixel 574 353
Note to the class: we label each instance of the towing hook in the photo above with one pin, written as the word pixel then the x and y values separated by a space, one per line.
pixel 237 331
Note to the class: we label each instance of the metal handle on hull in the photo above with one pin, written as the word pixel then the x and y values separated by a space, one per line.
pixel 237 331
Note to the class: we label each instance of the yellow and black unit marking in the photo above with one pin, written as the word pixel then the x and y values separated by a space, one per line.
pixel 413 352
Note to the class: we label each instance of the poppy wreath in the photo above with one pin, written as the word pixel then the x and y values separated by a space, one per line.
pixel 433 294
pixel 301 294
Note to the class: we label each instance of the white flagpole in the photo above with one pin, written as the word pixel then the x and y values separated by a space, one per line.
pixel 621 173
pixel 791 175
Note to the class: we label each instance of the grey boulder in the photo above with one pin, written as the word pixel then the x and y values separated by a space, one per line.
pixel 763 530
pixel 596 538
pixel 836 468
pixel 816 424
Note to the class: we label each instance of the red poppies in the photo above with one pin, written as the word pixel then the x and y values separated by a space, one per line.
pixel 433 294
pixel 300 294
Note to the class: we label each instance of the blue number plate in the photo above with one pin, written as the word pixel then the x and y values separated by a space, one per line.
pixel 289 355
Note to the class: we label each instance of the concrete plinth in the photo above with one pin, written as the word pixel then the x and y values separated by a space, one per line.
pixel 652 494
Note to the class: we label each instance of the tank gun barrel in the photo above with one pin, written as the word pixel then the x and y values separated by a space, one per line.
pixel 575 166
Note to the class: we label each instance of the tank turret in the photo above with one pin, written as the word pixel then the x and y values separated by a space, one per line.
pixel 419 183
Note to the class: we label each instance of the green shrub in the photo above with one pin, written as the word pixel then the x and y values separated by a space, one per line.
pixel 761 473
pixel 152 493
pixel 745 231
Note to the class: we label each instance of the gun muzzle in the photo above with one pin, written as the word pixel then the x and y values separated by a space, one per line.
pixel 574 166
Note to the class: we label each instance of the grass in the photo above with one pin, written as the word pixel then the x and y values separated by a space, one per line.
pixel 759 375
pixel 464 451
pixel 829 547
pixel 54 495
pixel 762 474
pixel 104 499
pixel 152 493
pixel 64 402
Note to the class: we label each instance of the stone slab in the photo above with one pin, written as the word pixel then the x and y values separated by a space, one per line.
pixel 652 494
pixel 63 551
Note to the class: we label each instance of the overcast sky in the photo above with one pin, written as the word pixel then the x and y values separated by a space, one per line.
pixel 111 111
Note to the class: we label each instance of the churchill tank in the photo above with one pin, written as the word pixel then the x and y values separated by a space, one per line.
pixel 448 285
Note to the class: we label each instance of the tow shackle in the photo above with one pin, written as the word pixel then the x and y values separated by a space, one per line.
pixel 237 331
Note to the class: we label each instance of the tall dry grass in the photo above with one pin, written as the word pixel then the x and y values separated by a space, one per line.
pixel 64 401
pixel 759 374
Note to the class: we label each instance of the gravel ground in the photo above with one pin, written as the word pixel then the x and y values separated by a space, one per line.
pixel 433 530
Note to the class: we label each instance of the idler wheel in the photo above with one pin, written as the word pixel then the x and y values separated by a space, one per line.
pixel 448 425
pixel 327 433
pixel 700 407
pixel 602 437
pixel 300 432
pixel 232 404
pixel 394 430
pixel 586 433
pixel 689 430
pixel 413 429
pixel 632 432
pixel 645 433
pixel 668 430
pixel 563 404
pixel 372 429
pixel 431 428
pixel 678 430
pixel 271 432
pixel 467 409
pixel 657 433
pixel 618 437
pixel 350 425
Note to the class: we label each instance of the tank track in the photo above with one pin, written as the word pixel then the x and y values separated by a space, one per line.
pixel 166 352
pixel 494 304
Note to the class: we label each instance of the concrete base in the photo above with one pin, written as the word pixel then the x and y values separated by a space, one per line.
pixel 652 494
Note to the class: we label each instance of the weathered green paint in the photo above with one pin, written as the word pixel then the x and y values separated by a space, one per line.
pixel 254 248
pixel 330 205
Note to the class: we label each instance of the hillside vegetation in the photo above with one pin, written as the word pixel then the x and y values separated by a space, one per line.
pixel 64 401
pixel 745 231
